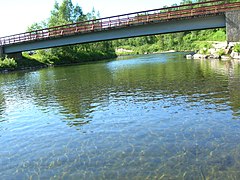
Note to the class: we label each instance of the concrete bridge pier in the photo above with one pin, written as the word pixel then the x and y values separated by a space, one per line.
pixel 17 55
pixel 233 26
pixel 1 52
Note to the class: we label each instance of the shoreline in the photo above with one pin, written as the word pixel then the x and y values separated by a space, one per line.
pixel 219 50
pixel 38 65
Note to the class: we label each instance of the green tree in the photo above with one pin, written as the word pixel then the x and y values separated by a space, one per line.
pixel 66 13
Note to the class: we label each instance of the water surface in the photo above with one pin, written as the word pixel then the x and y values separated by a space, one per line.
pixel 153 116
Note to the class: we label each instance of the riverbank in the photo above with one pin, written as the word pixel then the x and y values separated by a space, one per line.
pixel 218 50
pixel 34 61
pixel 21 65
pixel 127 52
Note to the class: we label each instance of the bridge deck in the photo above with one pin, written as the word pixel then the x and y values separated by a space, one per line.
pixel 208 8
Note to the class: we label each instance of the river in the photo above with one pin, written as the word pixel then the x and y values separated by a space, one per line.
pixel 153 116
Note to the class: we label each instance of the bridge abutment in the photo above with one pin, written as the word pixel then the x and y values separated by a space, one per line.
pixel 1 52
pixel 233 26
pixel 17 55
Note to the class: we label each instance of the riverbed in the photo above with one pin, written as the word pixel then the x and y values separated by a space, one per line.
pixel 151 116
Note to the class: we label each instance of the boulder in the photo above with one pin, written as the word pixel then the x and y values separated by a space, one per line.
pixel 225 58
pixel 235 55
pixel 189 56
pixel 197 56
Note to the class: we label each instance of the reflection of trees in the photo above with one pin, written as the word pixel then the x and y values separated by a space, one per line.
pixel 79 90
pixel 231 71
pixel 194 79
pixel 75 89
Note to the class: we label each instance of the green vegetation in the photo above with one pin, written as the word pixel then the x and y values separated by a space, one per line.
pixel 221 52
pixel 237 48
pixel 183 41
pixel 7 63
pixel 66 13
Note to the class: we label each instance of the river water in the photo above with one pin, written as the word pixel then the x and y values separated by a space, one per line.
pixel 154 116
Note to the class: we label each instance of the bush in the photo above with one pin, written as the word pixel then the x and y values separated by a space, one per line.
pixel 236 48
pixel 8 63
pixel 221 52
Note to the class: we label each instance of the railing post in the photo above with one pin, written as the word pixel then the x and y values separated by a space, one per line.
pixel 109 23
pixel 119 21
pixel 92 26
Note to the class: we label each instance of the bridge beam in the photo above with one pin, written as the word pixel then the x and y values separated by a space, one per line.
pixel 233 26
pixel 16 55
pixel 204 22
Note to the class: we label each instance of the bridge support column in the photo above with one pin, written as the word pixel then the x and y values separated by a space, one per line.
pixel 233 26
pixel 1 52
pixel 17 55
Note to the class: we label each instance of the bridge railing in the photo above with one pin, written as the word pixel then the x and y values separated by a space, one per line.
pixel 132 19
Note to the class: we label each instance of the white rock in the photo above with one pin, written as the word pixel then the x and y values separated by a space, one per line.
pixel 189 56
pixel 197 56
pixel 224 58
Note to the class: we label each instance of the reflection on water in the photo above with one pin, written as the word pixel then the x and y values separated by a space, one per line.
pixel 154 116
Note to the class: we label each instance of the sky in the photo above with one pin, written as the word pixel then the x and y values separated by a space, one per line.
pixel 17 15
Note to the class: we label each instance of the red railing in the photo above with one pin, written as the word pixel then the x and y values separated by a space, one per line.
pixel 133 19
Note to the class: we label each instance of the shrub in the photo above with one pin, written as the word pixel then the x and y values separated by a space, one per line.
pixel 221 52
pixel 236 48
pixel 8 63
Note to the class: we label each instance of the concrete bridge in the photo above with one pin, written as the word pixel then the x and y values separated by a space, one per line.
pixel 205 15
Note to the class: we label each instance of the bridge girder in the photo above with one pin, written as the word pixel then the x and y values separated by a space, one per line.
pixel 203 22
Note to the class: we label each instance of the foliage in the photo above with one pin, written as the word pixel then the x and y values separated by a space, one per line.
pixel 7 63
pixel 236 48
pixel 221 52
pixel 183 41
pixel 66 13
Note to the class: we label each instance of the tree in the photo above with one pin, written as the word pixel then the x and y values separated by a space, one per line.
pixel 36 26
pixel 65 13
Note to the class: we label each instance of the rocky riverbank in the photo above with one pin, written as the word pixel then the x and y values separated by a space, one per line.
pixel 219 50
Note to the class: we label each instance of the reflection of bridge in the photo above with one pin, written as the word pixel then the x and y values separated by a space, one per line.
pixel 205 15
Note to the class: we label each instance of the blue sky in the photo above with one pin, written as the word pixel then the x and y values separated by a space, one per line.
pixel 17 15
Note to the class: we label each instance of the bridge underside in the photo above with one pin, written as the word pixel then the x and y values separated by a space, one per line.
pixel 197 23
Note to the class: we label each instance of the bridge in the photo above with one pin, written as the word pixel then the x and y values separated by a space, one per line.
pixel 196 16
